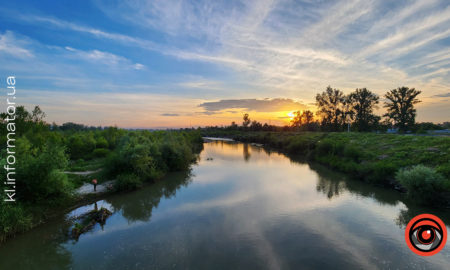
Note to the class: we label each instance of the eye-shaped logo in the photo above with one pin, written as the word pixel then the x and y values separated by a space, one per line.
pixel 426 234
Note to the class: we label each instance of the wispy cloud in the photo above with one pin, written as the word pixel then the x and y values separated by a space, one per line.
pixel 443 95
pixel 106 58
pixel 10 45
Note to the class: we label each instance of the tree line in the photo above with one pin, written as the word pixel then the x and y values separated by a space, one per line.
pixel 357 108
pixel 338 112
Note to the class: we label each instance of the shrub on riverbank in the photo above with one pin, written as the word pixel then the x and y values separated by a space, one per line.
pixel 423 184
pixel 126 182
pixel 13 219
pixel 146 156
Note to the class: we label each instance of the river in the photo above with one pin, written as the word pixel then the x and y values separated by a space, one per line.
pixel 239 207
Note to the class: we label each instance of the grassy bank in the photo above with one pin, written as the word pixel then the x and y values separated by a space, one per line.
pixel 45 154
pixel 419 165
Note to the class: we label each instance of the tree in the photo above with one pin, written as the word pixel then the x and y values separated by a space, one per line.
pixel 308 117
pixel 233 126
pixel 246 120
pixel 362 103
pixel 256 125
pixel 303 119
pixel 297 119
pixel 400 107
pixel 330 107
pixel 37 115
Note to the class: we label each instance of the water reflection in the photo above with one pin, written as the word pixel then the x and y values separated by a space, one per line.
pixel 246 152
pixel 242 206
pixel 138 206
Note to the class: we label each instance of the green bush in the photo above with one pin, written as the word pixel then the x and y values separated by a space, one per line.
pixel 352 152
pixel 101 143
pixel 298 145
pixel 324 147
pixel 127 182
pixel 40 172
pixel 424 185
pixel 100 152
pixel 381 172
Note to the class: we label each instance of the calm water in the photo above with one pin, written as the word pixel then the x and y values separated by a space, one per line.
pixel 240 207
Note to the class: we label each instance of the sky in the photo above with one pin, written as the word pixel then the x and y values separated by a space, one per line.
pixel 168 64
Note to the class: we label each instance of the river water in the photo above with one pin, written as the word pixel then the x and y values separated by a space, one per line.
pixel 240 207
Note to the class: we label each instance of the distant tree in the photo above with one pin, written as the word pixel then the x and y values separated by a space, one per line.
pixel 330 108
pixel 400 107
pixel 37 115
pixel 233 126
pixel 303 119
pixel 297 119
pixel 247 120
pixel 362 103
pixel 308 117
pixel 445 125
pixel 256 125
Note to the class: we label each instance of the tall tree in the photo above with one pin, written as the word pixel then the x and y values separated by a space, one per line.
pixel 330 108
pixel 400 106
pixel 247 120
pixel 363 102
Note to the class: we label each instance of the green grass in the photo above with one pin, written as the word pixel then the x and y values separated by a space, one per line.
pixel 82 165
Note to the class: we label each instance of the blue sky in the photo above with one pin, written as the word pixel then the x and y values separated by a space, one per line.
pixel 181 63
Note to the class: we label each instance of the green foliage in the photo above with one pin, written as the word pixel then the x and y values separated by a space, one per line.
pixel 80 144
pixel 330 108
pixel 150 155
pixel 100 152
pixel 353 152
pixel 362 103
pixel 400 107
pixel 324 147
pixel 126 182
pixel 39 171
pixel 101 142
pixel 13 219
pixel 424 184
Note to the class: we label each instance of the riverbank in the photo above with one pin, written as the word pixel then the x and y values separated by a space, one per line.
pixel 381 159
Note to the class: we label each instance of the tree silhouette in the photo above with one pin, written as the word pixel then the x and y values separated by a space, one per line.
pixel 303 119
pixel 308 117
pixel 297 119
pixel 363 102
pixel 246 120
pixel 400 106
pixel 37 115
pixel 330 108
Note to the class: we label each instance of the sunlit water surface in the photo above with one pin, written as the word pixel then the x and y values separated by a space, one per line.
pixel 240 207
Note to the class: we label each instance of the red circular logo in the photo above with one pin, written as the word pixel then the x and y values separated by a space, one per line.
pixel 426 234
